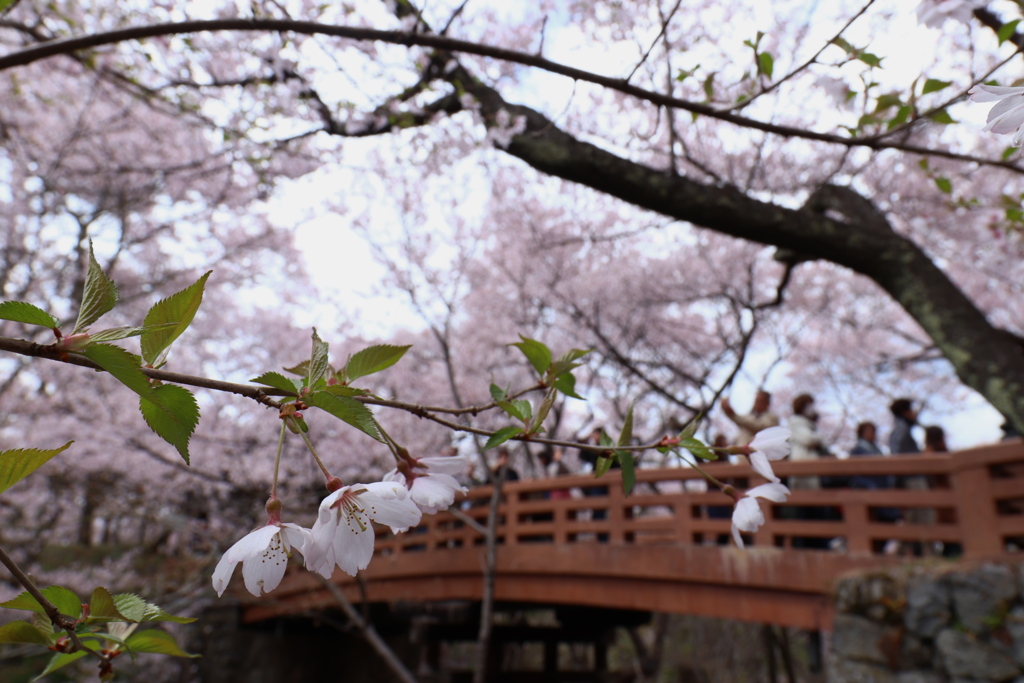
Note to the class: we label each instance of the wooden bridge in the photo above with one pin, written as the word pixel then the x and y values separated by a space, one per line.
pixel 662 549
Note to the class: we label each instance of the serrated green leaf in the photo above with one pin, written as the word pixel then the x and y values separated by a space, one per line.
pixel 342 390
pixel 765 64
pixel 157 642
pixel 156 613
pixel 566 383
pixel 22 632
pixel 605 440
pixel 99 296
pixel 373 359
pixel 346 409
pixel 172 412
pixel 628 472
pixel 103 608
pixel 626 435
pixel 690 429
pixel 497 393
pixel 62 598
pixel 512 409
pixel 1007 30
pixel 934 85
pixel 536 426
pixel 115 333
pixel 317 368
pixel 18 463
pixel 21 312
pixel 941 116
pixel 698 449
pixel 501 436
pixel 177 312
pixel 537 353
pixel 124 366
pixel 278 381
pixel 944 185
pixel 131 606
pixel 602 466
pixel 59 661
pixel 299 369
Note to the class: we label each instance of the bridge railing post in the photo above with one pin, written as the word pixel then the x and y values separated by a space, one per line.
pixel 975 508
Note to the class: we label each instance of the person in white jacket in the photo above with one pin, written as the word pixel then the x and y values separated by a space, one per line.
pixel 805 442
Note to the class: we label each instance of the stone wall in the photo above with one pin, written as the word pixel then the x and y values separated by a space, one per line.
pixel 930 624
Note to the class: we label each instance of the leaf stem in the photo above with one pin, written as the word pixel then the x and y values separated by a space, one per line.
pixel 309 445
pixel 277 462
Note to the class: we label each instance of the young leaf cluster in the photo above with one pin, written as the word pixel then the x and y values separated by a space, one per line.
pixel 170 411
pixel 105 626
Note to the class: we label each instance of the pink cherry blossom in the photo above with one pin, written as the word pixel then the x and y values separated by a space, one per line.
pixel 1007 116
pixel 264 556
pixel 934 13
pixel 747 515
pixel 343 532
pixel 430 481
pixel 769 444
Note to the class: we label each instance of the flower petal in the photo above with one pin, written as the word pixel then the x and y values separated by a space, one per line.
pixel 250 545
pixel 263 572
pixel 776 493
pixel 760 463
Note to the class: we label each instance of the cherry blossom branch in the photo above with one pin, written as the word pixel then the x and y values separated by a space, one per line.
pixel 58 619
pixel 429 40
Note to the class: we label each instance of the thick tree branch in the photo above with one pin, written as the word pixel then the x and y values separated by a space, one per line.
pixel 70 45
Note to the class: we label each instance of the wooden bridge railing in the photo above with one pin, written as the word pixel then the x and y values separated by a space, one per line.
pixel 666 547
pixel 977 497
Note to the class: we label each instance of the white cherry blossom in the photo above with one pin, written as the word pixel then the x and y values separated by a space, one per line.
pixel 343 533
pixel 1007 116
pixel 769 444
pixel 747 515
pixel 430 481
pixel 264 556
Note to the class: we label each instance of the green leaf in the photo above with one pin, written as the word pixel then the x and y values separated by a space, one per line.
pixel 765 64
pixel 100 295
pixel 690 429
pixel 537 353
pixel 698 449
pixel 1007 153
pixel 626 435
pixel 941 116
pixel 299 369
pixel 342 390
pixel 536 426
pixel 4 4
pixel 59 661
pixel 709 88
pixel 934 85
pixel 18 463
pixel 278 381
pixel 317 368
pixel 902 114
pixel 157 642
pixel 177 312
pixel 1007 30
pixel 171 412
pixel 21 312
pixel 944 185
pixel 346 409
pixel 887 101
pixel 501 436
pixel 62 598
pixel 628 472
pixel 870 59
pixel 22 632
pixel 103 608
pixel 566 383
pixel 115 333
pixel 602 466
pixel 497 393
pixel 373 359
pixel 847 48
pixel 155 613
pixel 512 410
pixel 122 365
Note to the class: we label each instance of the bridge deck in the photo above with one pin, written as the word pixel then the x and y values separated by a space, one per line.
pixel 658 549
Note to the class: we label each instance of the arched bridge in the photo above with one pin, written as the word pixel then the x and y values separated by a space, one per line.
pixel 663 549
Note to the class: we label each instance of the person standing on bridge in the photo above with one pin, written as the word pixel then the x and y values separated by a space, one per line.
pixel 760 417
